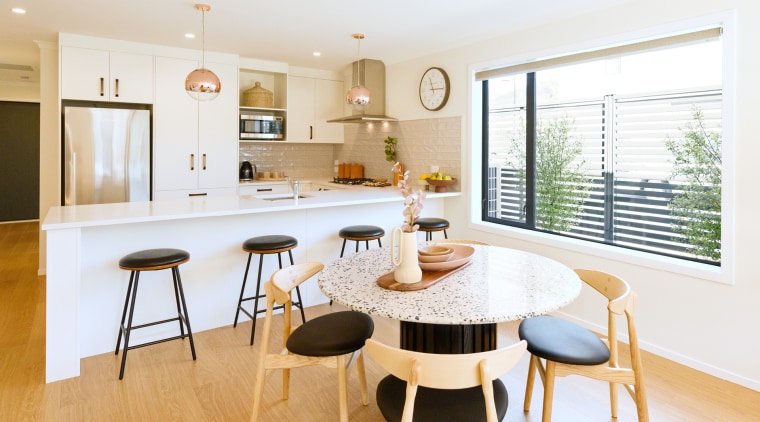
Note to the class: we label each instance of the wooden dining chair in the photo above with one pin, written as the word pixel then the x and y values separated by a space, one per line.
pixel 332 340
pixel 559 348
pixel 438 387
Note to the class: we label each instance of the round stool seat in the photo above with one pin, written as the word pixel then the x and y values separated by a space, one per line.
pixel 332 334
pixel 270 244
pixel 153 259
pixel 361 232
pixel 433 223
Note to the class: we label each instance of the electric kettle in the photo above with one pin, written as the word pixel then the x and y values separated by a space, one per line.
pixel 246 171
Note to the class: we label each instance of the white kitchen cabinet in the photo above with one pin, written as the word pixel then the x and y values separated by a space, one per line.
pixel 311 102
pixel 195 142
pixel 101 75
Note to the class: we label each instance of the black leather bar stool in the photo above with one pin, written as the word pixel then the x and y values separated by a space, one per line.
pixel 430 225
pixel 153 260
pixel 265 245
pixel 359 234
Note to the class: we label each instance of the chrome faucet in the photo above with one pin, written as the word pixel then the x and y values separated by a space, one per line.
pixel 293 185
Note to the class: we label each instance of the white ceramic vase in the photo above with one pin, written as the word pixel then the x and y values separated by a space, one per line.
pixel 404 256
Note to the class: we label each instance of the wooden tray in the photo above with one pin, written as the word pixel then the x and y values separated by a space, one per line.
pixel 428 279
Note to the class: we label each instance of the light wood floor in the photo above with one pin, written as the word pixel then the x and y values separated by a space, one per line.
pixel 163 383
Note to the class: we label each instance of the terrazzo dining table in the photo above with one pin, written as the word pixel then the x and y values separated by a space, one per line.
pixel 459 313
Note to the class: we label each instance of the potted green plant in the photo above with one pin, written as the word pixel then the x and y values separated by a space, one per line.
pixel 390 149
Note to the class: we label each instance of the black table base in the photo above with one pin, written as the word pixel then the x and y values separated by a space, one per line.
pixel 448 339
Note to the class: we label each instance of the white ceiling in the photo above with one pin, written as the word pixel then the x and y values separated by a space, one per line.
pixel 282 30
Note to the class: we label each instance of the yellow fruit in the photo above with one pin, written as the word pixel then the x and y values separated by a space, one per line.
pixel 424 176
pixel 447 177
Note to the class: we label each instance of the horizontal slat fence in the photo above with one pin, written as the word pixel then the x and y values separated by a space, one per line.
pixel 628 146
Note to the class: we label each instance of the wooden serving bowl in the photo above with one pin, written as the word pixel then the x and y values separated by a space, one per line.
pixel 441 185
pixel 434 253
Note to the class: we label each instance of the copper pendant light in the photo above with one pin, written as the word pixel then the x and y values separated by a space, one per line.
pixel 202 84
pixel 358 96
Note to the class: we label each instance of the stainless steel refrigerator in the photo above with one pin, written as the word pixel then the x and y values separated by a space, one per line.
pixel 106 153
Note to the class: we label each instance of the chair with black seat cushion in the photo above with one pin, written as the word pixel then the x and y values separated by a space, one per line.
pixel 430 225
pixel 360 233
pixel 152 260
pixel 559 348
pixel 332 340
pixel 264 245
pixel 443 387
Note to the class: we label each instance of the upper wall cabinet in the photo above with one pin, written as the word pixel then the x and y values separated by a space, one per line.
pixel 311 102
pixel 101 75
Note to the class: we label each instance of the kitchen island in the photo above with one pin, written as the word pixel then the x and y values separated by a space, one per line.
pixel 86 288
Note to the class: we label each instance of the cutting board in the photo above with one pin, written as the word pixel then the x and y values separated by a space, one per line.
pixel 429 278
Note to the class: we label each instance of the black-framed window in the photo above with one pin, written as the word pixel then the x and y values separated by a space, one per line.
pixel 622 149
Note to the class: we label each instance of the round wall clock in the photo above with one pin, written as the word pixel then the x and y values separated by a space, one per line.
pixel 434 88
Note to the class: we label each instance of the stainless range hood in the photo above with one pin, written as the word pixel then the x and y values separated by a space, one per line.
pixel 373 77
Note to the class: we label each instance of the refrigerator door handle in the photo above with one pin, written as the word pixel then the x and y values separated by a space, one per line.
pixel 192 162
pixel 73 178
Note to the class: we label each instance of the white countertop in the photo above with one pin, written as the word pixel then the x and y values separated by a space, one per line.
pixel 499 285
pixel 212 206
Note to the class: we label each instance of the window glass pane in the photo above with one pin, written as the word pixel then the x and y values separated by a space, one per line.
pixel 506 149
pixel 627 150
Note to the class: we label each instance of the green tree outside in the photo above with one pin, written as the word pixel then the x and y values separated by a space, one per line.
pixel 697 158
pixel 560 180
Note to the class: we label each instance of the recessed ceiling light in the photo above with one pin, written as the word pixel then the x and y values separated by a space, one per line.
pixel 189 35
pixel 316 54
pixel 18 10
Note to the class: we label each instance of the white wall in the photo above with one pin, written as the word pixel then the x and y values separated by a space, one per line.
pixel 21 92
pixel 704 324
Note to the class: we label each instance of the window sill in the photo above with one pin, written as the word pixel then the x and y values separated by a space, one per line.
pixel 722 274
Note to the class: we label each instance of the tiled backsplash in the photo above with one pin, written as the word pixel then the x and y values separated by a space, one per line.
pixel 298 161
pixel 421 143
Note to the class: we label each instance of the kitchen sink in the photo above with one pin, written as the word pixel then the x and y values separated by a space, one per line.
pixel 280 196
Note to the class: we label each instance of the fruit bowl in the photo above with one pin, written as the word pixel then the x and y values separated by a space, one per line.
pixel 441 185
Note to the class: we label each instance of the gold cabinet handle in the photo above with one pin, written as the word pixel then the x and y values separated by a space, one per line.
pixel 311 132
pixel 204 161
pixel 192 162
pixel 197 194
pixel 102 87
pixel 116 87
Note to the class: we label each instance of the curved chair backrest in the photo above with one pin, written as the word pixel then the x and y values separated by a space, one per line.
pixel 446 371
pixel 288 278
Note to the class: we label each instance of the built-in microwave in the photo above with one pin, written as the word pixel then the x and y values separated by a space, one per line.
pixel 260 127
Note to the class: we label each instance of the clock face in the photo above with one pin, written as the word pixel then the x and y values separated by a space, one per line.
pixel 434 88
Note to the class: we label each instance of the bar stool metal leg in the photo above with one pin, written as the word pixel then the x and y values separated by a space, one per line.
pixel 186 316
pixel 128 329
pixel 242 290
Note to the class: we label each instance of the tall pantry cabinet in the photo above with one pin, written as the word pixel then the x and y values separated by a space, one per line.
pixel 195 143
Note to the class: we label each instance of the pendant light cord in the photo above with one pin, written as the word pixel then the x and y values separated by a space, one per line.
pixel 203 41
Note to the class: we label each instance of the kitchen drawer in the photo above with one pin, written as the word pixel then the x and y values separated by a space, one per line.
pixel 263 188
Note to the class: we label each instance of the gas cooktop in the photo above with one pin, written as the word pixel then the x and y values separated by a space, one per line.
pixel 363 181
pixel 350 181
